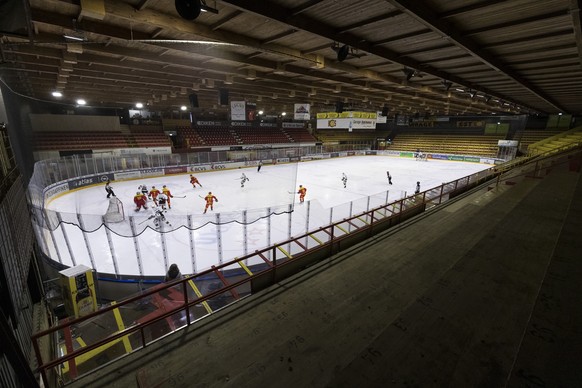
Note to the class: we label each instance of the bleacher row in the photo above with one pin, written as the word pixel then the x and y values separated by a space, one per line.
pixel 216 136
pixel 144 136
pixel 445 142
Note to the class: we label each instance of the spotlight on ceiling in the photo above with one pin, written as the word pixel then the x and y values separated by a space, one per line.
pixel 342 52
pixel 190 9
pixel 409 73
pixel 447 85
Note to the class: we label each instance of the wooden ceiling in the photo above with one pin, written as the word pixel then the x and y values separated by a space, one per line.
pixel 432 57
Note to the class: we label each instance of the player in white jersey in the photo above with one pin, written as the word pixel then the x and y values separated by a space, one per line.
pixel 344 180
pixel 243 179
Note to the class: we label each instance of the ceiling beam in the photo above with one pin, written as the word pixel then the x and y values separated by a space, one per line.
pixel 424 15
pixel 226 19
pixel 369 21
pixel 469 8
pixel 516 23
pixel 142 5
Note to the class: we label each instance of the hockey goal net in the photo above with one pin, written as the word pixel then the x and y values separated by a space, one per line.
pixel 115 211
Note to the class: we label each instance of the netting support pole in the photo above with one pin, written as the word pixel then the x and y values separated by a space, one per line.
pixel 331 215
pixel 66 239
pixel 55 245
pixel 269 215
pixel 307 222
pixel 289 226
pixel 89 251
pixel 350 216
pixel 245 231
pixel 111 248
pixel 192 246
pixel 136 245
pixel 219 238
pixel 164 248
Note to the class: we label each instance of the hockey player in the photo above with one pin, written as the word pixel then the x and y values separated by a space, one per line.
pixel 154 194
pixel 143 189
pixel 193 181
pixel 140 201
pixel 344 179
pixel 162 200
pixel 109 189
pixel 302 191
pixel 389 177
pixel 417 190
pixel 259 166
pixel 166 191
pixel 159 218
pixel 210 201
pixel 243 179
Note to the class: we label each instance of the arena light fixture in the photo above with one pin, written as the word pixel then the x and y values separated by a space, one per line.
pixel 74 37
pixel 80 101
pixel 447 85
pixel 183 107
pixel 139 105
pixel 56 93
pixel 283 113
pixel 261 112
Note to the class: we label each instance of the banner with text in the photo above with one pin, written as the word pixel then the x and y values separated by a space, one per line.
pixel 237 110
pixel 301 112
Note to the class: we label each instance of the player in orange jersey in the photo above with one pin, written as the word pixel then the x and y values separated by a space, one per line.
pixel 140 201
pixel 166 191
pixel 210 201
pixel 193 181
pixel 154 194
pixel 302 191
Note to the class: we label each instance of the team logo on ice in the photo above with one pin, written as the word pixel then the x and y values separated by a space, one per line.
pixel 332 123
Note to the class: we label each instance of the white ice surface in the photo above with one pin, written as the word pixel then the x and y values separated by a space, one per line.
pixel 199 249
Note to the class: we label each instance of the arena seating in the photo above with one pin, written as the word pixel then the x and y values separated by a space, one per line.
pixel 217 135
pixel 299 135
pixel 149 136
pixel 79 140
pixel 189 138
pixel 478 145
pixel 261 135
pixel 559 140
pixel 530 136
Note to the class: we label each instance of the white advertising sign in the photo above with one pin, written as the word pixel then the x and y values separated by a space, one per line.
pixel 237 110
pixel 301 112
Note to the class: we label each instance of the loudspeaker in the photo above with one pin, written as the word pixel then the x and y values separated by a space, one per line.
pixel 223 97
pixel 343 52
pixel 385 111
pixel 188 9
pixel 339 107
pixel 193 100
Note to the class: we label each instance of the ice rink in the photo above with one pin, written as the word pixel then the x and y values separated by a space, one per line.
pixel 239 223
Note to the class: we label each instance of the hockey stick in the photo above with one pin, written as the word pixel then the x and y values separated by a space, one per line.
pixel 179 196
pixel 146 220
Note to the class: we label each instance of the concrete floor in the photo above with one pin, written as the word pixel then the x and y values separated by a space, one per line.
pixel 483 292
